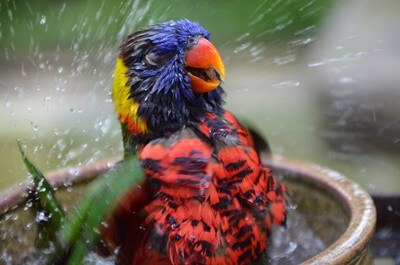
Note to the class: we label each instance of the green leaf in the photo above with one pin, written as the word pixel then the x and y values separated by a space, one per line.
pixel 80 233
pixel 49 214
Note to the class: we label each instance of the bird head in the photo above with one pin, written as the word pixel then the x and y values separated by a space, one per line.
pixel 167 75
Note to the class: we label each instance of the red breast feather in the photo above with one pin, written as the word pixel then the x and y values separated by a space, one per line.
pixel 211 200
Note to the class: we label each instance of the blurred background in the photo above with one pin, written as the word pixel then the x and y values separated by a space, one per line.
pixel 318 78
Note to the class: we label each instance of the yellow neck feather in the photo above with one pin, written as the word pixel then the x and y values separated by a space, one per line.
pixel 126 107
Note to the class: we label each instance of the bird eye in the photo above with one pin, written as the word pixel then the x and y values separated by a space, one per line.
pixel 192 40
pixel 152 59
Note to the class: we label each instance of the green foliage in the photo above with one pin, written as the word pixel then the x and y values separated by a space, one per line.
pixel 74 25
pixel 75 236
pixel 81 231
pixel 49 213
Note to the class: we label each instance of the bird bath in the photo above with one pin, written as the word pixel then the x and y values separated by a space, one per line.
pixel 330 218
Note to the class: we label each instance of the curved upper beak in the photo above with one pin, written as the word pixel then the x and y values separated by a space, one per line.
pixel 204 66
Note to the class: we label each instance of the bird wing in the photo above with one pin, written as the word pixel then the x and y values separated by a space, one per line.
pixel 212 201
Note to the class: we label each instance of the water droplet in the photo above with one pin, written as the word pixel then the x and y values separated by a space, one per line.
pixel 28 226
pixel 242 47
pixel 28 205
pixel 105 224
pixel 10 16
pixel 97 231
pixel 42 20
pixel 243 36
pixel 41 217
pixel 60 70
pixel 286 84
pixel 346 80
pixel 23 73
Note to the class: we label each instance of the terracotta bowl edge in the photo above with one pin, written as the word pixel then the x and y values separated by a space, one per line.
pixel 358 202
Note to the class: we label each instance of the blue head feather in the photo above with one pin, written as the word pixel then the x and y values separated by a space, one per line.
pixel 158 79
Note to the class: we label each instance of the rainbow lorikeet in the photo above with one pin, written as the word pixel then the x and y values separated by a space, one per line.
pixel 207 199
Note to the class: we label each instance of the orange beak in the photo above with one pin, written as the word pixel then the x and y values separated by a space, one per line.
pixel 204 66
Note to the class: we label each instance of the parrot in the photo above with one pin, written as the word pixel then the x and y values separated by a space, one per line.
pixel 206 197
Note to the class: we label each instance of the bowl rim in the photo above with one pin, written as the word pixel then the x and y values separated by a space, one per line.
pixel 356 200
pixel 358 204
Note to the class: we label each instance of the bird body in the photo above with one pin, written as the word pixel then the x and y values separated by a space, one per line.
pixel 207 198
